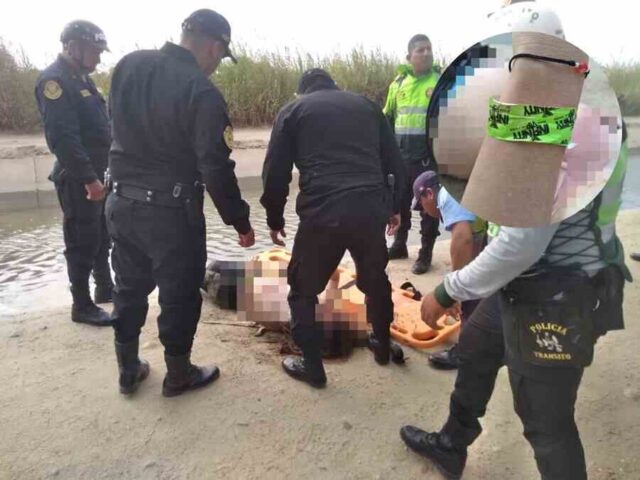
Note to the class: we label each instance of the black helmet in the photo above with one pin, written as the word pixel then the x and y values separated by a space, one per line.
pixel 84 31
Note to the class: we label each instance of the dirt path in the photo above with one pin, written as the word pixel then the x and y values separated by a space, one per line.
pixel 62 417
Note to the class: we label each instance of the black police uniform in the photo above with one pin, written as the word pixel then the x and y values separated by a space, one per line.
pixel 344 149
pixel 77 131
pixel 170 132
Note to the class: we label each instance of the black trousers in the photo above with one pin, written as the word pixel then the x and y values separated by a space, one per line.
pixel 317 251
pixel 428 225
pixel 86 239
pixel 544 401
pixel 163 246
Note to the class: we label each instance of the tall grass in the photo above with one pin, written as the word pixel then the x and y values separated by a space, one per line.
pixel 624 78
pixel 18 110
pixel 262 82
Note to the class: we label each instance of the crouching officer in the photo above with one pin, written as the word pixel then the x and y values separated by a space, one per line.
pixel 171 135
pixel 77 132
pixel 345 150
pixel 541 321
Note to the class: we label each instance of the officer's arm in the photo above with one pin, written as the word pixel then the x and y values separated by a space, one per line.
pixel 276 171
pixel 213 147
pixel 506 257
pixel 392 162
pixel 389 109
pixel 62 130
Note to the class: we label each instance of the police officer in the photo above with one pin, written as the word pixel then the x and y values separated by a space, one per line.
pixel 467 240
pixel 542 322
pixel 171 135
pixel 343 148
pixel 77 132
pixel 406 108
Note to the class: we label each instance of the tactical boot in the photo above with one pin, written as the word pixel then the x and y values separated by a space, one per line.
pixel 398 249
pixel 445 360
pixel 305 370
pixel 438 448
pixel 183 376
pixel 423 262
pixel 133 370
pixel 85 311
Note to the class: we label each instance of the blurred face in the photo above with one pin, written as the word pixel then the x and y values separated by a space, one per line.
pixel 421 58
pixel 86 55
pixel 428 200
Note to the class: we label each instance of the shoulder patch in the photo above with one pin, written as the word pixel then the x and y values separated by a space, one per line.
pixel 228 137
pixel 52 90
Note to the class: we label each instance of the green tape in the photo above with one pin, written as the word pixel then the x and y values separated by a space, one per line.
pixel 530 123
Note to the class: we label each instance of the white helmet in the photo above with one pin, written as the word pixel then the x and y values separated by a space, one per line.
pixel 525 17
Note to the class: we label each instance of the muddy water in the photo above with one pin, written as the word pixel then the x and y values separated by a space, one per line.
pixel 32 266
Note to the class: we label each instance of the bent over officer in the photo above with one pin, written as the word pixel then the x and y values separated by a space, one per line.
pixel 77 132
pixel 344 149
pixel 171 135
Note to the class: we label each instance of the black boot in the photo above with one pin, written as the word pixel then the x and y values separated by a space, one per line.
pixel 398 248
pixel 183 376
pixel 305 370
pixel 438 448
pixel 445 360
pixel 635 256
pixel 423 262
pixel 85 311
pixel 133 370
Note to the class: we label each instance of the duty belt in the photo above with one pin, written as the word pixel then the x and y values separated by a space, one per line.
pixel 181 193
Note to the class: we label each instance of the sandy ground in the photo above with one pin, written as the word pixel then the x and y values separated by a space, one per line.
pixel 63 418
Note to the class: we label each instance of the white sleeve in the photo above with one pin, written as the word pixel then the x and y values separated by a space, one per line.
pixel 512 252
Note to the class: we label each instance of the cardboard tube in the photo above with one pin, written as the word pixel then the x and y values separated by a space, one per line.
pixel 514 183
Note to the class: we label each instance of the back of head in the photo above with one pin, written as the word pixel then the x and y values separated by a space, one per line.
pixel 315 79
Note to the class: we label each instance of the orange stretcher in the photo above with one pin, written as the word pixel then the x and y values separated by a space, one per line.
pixel 407 327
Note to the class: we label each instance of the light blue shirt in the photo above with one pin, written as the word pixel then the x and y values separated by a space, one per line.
pixel 451 211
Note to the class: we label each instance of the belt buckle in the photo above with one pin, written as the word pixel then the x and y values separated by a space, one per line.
pixel 177 190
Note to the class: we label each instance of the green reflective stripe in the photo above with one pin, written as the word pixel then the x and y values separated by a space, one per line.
pixel 412 111
pixel 617 176
pixel 607 213
pixel 411 121
pixel 411 131
pixel 612 192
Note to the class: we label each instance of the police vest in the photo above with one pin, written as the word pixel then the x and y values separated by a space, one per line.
pixel 588 239
pixel 406 107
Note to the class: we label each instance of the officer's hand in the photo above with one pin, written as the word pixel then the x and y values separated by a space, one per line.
pixel 393 224
pixel 95 191
pixel 275 239
pixel 431 311
pixel 247 240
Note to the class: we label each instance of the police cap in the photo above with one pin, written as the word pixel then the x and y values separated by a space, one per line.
pixel 212 24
